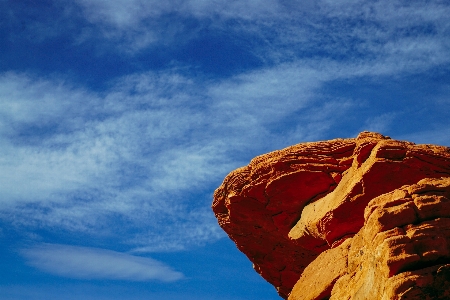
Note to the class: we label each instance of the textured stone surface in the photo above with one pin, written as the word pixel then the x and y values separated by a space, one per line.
pixel 302 212
pixel 403 249
pixel 320 276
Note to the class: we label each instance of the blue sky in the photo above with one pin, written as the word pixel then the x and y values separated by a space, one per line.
pixel 119 118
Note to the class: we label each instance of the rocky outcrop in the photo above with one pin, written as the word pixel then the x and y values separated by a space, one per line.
pixel 401 252
pixel 346 218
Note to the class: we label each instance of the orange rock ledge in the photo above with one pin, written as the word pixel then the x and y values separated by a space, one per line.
pixel 362 218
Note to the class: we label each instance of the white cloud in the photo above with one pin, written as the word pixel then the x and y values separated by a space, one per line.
pixel 137 149
pixel 179 233
pixel 128 153
pixel 380 123
pixel 274 31
pixel 275 90
pixel 284 30
pixel 120 13
pixel 94 263
pixel 34 100
pixel 123 13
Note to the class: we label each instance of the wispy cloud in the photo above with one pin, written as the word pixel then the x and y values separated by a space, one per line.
pixel 76 159
pixel 380 123
pixel 120 13
pixel 93 263
pixel 283 31
pixel 140 150
pixel 151 138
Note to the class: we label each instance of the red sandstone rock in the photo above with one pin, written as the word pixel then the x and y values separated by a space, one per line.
pixel 403 250
pixel 303 213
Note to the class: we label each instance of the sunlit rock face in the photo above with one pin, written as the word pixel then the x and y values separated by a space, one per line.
pixel 362 218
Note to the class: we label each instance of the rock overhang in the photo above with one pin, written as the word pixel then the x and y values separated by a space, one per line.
pixel 288 206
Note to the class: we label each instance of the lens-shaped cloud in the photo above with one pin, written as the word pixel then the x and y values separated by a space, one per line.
pixel 94 263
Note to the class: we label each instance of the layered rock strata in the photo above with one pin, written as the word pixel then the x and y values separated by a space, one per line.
pixel 346 218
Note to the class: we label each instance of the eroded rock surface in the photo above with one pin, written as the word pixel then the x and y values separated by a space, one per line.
pixel 327 215
pixel 401 252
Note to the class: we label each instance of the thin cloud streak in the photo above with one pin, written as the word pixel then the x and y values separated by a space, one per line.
pixel 93 263
pixel 289 29
pixel 152 137
pixel 138 147
pixel 283 31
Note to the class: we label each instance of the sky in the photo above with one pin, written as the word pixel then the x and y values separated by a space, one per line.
pixel 119 119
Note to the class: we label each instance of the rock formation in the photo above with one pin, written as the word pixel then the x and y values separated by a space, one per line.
pixel 362 218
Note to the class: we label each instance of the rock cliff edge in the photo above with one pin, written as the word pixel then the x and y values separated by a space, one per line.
pixel 360 218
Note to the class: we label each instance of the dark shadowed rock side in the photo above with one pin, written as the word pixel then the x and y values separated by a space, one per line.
pixel 360 218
